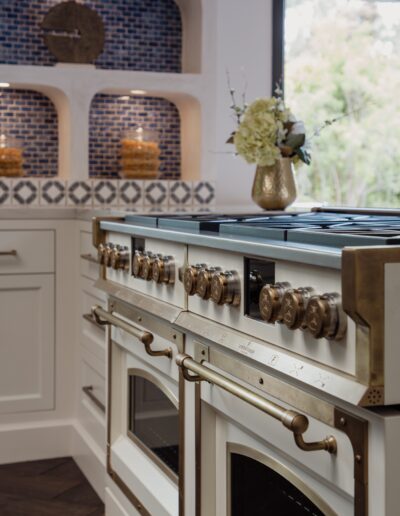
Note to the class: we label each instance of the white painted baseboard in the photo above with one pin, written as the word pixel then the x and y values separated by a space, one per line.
pixel 35 441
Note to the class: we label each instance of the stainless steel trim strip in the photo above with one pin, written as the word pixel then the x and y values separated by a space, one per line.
pixel 293 421
pixel 151 305
pixel 274 359
pixel 88 390
pixel 270 385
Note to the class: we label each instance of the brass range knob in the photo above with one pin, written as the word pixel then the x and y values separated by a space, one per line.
pixel 203 283
pixel 325 318
pixel 120 258
pixel 190 276
pixel 270 301
pixel 163 270
pixel 108 250
pixel 137 264
pixel 147 267
pixel 101 251
pixel 294 304
pixel 225 288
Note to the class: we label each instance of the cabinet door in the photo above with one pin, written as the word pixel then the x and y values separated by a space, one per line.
pixel 26 342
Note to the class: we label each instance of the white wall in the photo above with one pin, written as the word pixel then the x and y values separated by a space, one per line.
pixel 238 38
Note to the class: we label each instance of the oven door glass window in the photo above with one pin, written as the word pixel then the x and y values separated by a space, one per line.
pixel 153 421
pixel 258 490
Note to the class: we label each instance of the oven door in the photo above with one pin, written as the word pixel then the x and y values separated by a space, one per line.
pixel 285 454
pixel 144 409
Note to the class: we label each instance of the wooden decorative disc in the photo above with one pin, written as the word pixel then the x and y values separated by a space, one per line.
pixel 74 33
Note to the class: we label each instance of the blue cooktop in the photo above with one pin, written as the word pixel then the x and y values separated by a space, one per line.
pixel 334 227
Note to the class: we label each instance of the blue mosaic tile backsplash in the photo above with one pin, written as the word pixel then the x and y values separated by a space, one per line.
pixel 140 34
pixel 110 116
pixel 32 118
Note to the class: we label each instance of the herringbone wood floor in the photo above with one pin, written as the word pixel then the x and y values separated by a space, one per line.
pixel 53 487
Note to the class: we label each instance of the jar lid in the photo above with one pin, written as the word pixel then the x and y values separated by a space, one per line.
pixel 9 142
pixel 140 134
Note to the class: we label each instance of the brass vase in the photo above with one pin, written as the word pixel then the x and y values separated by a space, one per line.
pixel 274 186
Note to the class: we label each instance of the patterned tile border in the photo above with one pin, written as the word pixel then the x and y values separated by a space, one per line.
pixel 158 194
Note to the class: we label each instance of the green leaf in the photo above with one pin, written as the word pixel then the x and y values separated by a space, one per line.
pixel 304 155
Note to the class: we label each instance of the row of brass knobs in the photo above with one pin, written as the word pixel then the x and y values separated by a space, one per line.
pixel 156 267
pixel 114 256
pixel 301 308
pixel 222 287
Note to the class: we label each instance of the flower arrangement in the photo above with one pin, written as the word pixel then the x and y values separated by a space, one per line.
pixel 267 131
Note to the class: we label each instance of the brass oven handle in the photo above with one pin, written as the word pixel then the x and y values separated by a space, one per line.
pixel 13 252
pixel 144 336
pixel 89 258
pixel 90 318
pixel 88 390
pixel 295 422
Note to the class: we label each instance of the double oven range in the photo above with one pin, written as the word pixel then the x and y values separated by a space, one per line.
pixel 252 364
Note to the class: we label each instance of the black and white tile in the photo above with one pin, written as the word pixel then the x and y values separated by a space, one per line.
pixel 5 192
pixel 105 193
pixel 130 193
pixel 80 194
pixel 156 193
pixel 180 193
pixel 203 193
pixel 52 192
pixel 25 192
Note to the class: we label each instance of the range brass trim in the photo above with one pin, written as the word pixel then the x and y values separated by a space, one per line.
pixel 174 400
pixel 98 234
pixel 356 430
pixel 293 421
pixel 89 318
pixel 144 336
pixel 181 387
pixel 363 291
pixel 279 468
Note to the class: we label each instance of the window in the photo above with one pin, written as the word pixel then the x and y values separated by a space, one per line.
pixel 340 60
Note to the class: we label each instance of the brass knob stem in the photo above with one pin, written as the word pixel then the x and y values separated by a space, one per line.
pixel 225 288
pixel 325 318
pixel 137 264
pixel 147 267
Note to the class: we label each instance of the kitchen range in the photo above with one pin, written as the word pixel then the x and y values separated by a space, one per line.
pixel 252 361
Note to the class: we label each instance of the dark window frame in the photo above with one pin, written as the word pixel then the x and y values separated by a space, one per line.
pixel 278 43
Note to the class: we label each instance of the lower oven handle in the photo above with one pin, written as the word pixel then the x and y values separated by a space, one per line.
pixel 295 422
pixel 104 317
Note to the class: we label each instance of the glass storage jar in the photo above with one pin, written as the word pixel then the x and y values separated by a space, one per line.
pixel 140 154
pixel 11 159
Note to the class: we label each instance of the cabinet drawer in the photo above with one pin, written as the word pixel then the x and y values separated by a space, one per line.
pixel 92 337
pixel 34 251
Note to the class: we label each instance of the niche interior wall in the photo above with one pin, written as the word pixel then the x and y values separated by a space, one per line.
pixel 31 117
pixel 111 116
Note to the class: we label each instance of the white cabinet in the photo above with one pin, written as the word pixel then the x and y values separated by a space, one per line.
pixel 26 342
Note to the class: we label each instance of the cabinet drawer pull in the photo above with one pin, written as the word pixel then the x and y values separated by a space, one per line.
pixel 295 422
pixel 13 252
pixel 89 258
pixel 92 320
pixel 103 317
pixel 88 390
